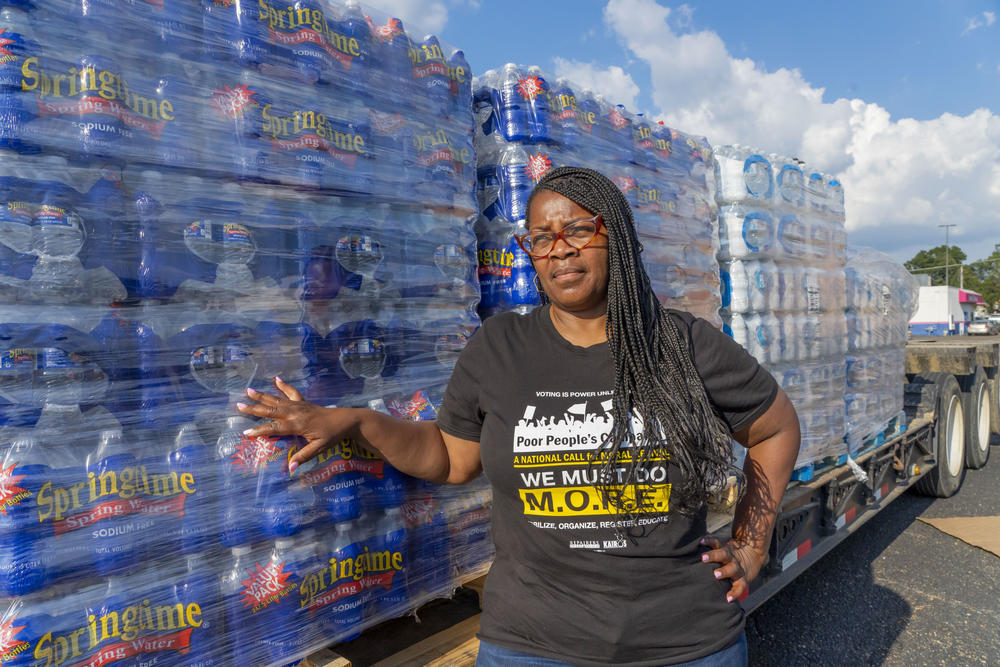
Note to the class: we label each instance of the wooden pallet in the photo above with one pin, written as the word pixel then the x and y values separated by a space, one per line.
pixel 455 646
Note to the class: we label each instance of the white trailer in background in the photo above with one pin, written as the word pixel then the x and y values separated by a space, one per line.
pixel 944 311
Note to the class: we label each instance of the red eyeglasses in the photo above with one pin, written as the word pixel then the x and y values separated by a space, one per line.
pixel 578 234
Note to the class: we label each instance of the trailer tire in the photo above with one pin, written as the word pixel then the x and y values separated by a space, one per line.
pixel 995 413
pixel 949 439
pixel 978 403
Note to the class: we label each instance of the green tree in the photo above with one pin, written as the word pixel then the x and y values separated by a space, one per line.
pixel 935 257
pixel 983 276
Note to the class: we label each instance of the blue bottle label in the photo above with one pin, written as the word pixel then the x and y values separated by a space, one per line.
pixel 18 212
pixel 286 27
pixel 313 131
pixel 267 584
pixel 52 216
pixel 52 358
pixel 196 230
pixel 416 407
pixel 232 103
pixel 18 359
pixel 235 233
pixel 428 62
pixel 530 87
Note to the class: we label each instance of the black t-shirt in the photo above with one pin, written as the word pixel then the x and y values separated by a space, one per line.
pixel 564 584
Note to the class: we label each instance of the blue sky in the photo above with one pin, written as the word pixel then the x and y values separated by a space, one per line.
pixel 910 57
pixel 898 99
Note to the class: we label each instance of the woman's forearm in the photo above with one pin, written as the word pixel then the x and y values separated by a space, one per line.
pixel 767 468
pixel 415 448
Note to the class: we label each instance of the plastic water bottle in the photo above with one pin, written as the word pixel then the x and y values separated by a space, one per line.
pixel 243 625
pixel 393 70
pixel 460 85
pixel 510 105
pixel 430 70
pixel 742 175
pixel 232 33
pixel 199 590
pixel 235 457
pixel 792 238
pixel 390 560
pixel 816 191
pixel 535 90
pixel 26 468
pixel 16 106
pixel 515 182
pixel 385 488
pixel 341 605
pixel 190 462
pixel 618 134
pixel 289 506
pixel 430 546
pixel 790 183
pixel 117 540
pixel 283 635
pixel 745 234
pixel 355 73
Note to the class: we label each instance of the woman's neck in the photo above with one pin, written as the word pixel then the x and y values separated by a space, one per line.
pixel 582 329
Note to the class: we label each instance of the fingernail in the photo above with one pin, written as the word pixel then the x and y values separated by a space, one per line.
pixel 251 391
pixel 278 379
pixel 729 598
pixel 704 558
pixel 701 541
pixel 249 431
pixel 718 575
pixel 241 406
pixel 291 467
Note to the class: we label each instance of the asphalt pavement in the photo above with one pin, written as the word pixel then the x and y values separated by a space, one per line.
pixel 897 592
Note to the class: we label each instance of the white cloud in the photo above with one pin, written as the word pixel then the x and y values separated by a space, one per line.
pixel 421 16
pixel 902 177
pixel 613 82
pixel 989 18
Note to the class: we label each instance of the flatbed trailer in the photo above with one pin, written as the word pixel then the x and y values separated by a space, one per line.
pixel 952 403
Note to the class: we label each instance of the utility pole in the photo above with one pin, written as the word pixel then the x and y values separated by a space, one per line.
pixel 947 253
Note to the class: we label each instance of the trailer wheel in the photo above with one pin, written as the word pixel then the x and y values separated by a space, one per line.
pixel 978 405
pixel 949 439
pixel 995 413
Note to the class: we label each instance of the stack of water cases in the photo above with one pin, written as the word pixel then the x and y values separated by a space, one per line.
pixel 782 254
pixel 881 297
pixel 199 197
pixel 527 123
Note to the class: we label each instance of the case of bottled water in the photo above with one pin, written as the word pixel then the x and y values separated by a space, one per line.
pixel 201 196
pixel 782 248
pixel 527 122
pixel 881 299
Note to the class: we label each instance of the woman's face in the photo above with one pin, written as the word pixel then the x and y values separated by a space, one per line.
pixel 574 280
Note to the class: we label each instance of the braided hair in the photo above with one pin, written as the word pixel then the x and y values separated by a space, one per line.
pixel 655 377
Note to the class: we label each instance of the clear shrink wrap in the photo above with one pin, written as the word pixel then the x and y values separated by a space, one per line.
pixel 781 254
pixel 527 122
pixel 881 298
pixel 200 196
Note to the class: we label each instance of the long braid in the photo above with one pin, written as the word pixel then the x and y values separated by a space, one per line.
pixel 655 377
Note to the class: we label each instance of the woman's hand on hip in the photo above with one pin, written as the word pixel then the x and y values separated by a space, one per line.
pixel 740 561
pixel 289 414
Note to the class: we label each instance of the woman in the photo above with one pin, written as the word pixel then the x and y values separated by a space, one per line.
pixel 602 422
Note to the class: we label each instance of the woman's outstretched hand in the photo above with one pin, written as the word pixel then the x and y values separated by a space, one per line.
pixel 290 414
pixel 741 563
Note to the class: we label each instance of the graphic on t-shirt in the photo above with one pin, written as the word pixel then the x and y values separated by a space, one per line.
pixel 559 469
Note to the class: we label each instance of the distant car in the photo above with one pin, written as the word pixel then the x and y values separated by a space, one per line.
pixel 982 327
